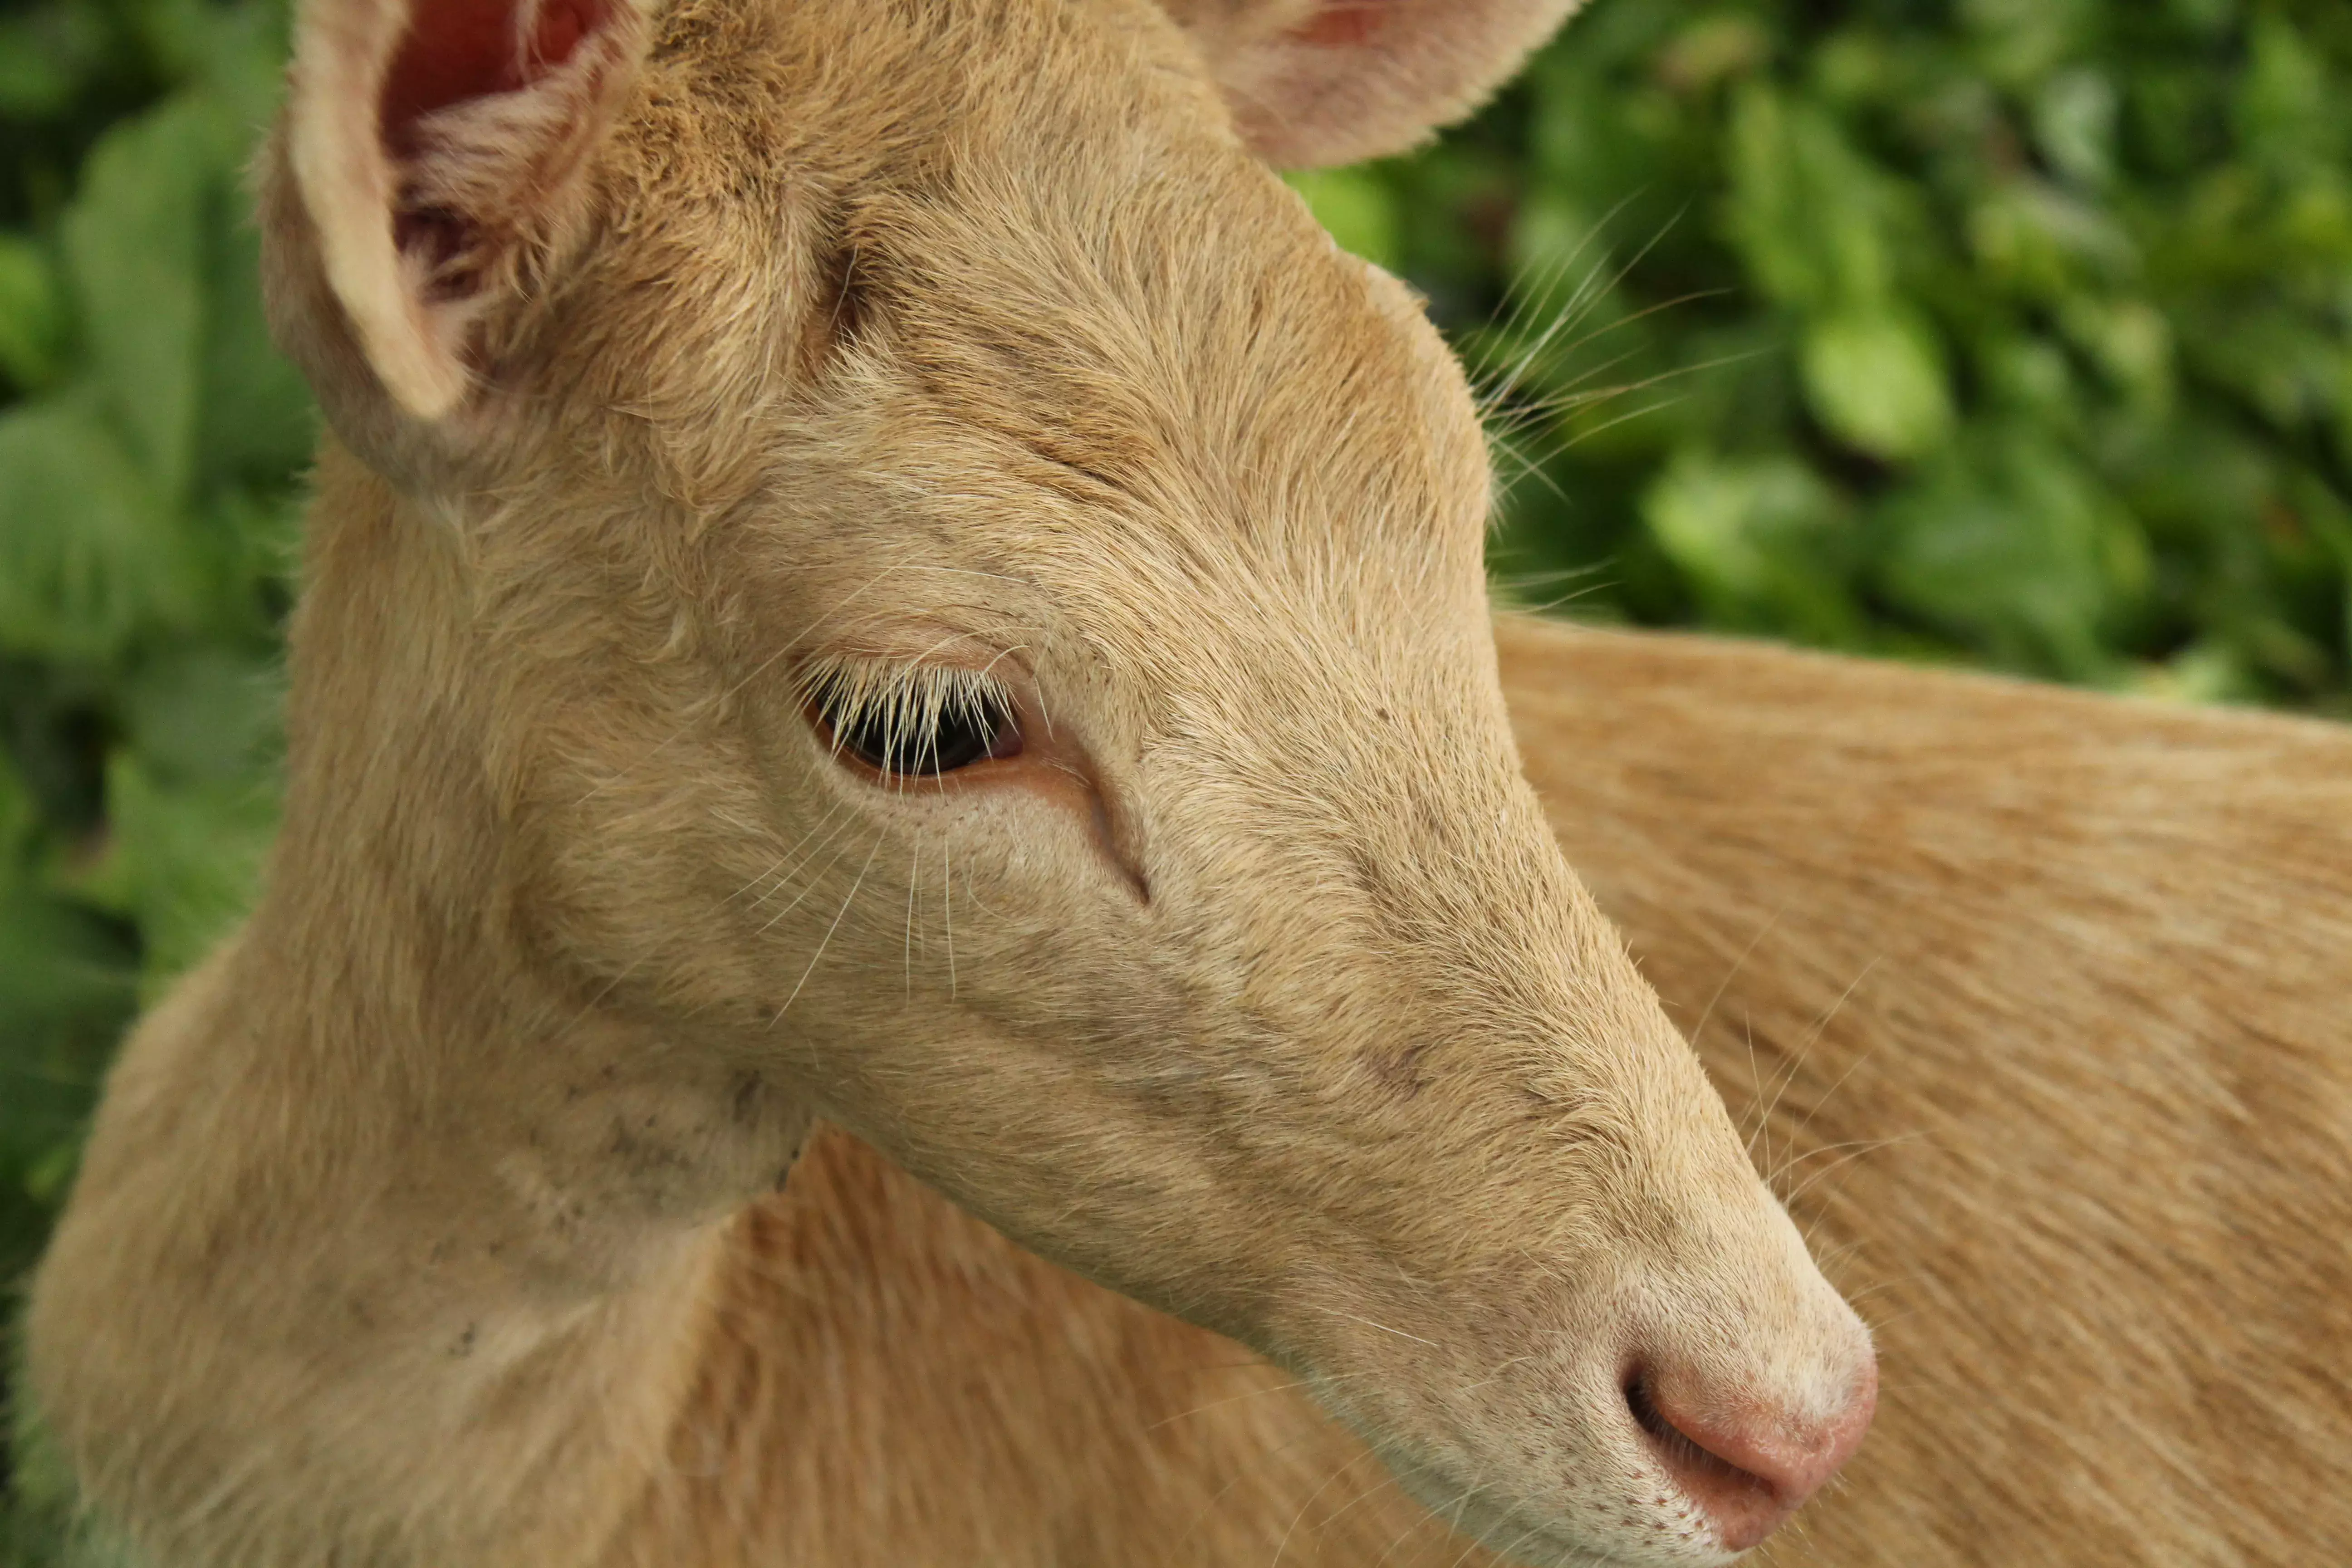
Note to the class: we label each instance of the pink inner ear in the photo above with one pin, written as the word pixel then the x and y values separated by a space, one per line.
pixel 1343 24
pixel 457 51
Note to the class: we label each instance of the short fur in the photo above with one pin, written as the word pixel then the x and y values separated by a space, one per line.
pixel 2047 994
pixel 670 358
pixel 2034 999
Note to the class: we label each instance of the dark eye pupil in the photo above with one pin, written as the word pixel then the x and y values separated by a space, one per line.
pixel 959 737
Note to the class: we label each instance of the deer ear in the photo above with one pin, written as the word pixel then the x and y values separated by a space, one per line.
pixel 429 164
pixel 1316 82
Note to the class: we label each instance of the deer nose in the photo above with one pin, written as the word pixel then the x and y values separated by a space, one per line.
pixel 1746 1463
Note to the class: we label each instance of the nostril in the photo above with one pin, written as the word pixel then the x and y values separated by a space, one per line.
pixel 1744 1505
pixel 1746 1465
pixel 1644 1406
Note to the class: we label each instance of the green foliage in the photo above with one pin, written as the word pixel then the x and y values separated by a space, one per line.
pixel 148 444
pixel 2013 330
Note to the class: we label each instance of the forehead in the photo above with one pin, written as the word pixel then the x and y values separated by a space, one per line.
pixel 1065 293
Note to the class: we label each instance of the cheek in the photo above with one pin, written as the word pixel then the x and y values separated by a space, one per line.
pixel 1110 829
pixel 1002 898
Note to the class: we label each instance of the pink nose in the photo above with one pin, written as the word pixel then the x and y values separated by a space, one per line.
pixel 1747 1464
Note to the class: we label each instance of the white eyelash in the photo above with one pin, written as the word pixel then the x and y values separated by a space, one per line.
pixel 912 701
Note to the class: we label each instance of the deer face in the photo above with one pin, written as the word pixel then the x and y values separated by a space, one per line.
pixel 986 610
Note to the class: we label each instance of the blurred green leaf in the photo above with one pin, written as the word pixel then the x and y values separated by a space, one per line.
pixel 2129 341
pixel 2051 301
pixel 91 554
pixel 2041 242
pixel 47 54
pixel 59 973
pixel 1807 211
pixel 32 317
pixel 205 714
pixel 2012 545
pixel 135 241
pixel 64 992
pixel 2017 41
pixel 2075 123
pixel 46 1529
pixel 17 820
pixel 1876 380
pixel 183 860
pixel 2207 671
pixel 255 423
pixel 2286 110
pixel 1721 46
pixel 1768 544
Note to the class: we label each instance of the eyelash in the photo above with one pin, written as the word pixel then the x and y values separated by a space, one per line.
pixel 911 721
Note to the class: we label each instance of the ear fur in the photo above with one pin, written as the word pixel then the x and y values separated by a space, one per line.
pixel 432 151
pixel 1314 82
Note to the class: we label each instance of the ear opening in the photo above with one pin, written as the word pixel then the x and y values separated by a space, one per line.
pixel 1316 82
pixel 437 148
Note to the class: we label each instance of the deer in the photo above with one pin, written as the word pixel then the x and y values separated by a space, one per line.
pixel 871 565
pixel 2034 999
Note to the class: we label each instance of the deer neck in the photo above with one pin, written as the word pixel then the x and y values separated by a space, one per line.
pixel 387 966
pixel 426 1184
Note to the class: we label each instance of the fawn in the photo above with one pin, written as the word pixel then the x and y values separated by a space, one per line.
pixel 2034 999
pixel 873 564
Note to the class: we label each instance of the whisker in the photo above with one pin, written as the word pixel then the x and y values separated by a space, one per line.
pixel 1813 1038
pixel 1344 1467
pixel 1387 1479
pixel 831 812
pixel 1699 1029
pixel 1870 1147
pixel 1850 1155
pixel 847 900
pixel 947 910
pixel 1383 1327
pixel 914 884
pixel 1292 1385
pixel 1313 1434
pixel 1597 285
pixel 813 882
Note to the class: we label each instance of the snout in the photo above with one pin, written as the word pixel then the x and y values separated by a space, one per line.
pixel 1746 1461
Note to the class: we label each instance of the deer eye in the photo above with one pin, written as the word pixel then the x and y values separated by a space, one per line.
pixel 912 721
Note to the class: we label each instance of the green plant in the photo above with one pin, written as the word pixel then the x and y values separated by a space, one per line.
pixel 148 444
pixel 2011 331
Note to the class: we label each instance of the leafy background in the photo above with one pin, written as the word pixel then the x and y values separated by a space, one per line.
pixel 2008 332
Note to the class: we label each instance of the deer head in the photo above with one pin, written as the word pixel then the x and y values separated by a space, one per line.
pixel 972 613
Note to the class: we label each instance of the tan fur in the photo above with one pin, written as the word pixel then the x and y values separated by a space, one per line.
pixel 2038 998
pixel 772 337
pixel 891 1382
pixel 2082 966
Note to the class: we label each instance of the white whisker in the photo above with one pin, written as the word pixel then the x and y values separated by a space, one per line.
pixel 847 900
